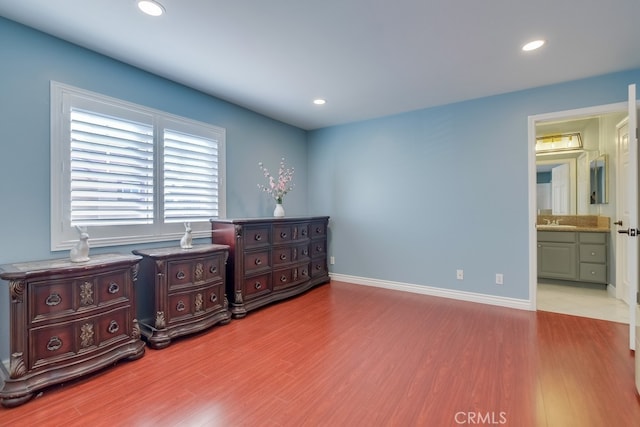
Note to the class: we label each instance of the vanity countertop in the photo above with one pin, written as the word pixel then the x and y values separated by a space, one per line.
pixel 543 227
pixel 588 223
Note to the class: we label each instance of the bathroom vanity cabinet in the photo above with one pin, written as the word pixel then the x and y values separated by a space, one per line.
pixel 67 320
pixel 271 258
pixel 579 256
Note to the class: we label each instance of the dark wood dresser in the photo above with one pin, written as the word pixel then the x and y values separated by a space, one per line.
pixel 67 320
pixel 181 291
pixel 271 258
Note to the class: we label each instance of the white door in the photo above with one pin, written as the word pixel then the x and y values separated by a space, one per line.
pixel 622 272
pixel 632 230
pixel 560 182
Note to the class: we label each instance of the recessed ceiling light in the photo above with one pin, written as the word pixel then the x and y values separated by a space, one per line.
pixel 151 7
pixel 319 101
pixel 533 45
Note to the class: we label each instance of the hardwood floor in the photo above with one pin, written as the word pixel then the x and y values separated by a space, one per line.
pixel 349 355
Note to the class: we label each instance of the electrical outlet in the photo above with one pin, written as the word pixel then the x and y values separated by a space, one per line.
pixel 332 260
pixel 499 279
pixel 460 274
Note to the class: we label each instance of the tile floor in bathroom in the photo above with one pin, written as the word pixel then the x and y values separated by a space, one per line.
pixel 581 301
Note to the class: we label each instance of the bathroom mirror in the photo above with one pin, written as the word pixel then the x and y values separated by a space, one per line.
pixel 598 181
pixel 556 186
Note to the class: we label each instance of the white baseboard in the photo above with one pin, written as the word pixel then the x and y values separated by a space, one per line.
pixel 519 304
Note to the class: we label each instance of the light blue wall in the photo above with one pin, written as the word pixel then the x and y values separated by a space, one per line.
pixel 416 196
pixel 29 60
pixel 412 197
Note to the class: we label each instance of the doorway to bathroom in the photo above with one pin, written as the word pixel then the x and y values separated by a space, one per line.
pixel 598 128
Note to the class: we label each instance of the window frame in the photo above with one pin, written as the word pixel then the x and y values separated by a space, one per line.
pixel 63 235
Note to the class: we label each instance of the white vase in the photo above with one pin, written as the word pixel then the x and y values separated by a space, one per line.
pixel 278 212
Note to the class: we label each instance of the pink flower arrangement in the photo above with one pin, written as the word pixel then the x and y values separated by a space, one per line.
pixel 277 189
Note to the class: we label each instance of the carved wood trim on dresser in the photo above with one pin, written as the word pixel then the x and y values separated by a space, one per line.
pixel 181 291
pixel 272 258
pixel 68 320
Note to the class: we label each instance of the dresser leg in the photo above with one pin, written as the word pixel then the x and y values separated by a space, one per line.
pixel 12 402
pixel 238 311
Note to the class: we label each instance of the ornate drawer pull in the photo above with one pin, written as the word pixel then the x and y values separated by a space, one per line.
pixel 180 306
pixel 283 256
pixel 53 299
pixel 258 261
pixel 283 278
pixel 318 248
pixel 180 275
pixel 113 327
pixel 113 288
pixel 258 237
pixel 213 298
pixel 283 235
pixel 305 251
pixel 54 344
pixel 318 267
pixel 305 272
pixel 213 269
pixel 318 230
pixel 304 232
pixel 258 285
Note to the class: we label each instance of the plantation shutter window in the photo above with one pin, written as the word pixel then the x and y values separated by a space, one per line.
pixel 111 170
pixel 190 177
pixel 130 174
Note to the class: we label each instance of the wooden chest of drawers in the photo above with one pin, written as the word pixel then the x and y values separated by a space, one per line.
pixel 67 320
pixel 272 258
pixel 181 291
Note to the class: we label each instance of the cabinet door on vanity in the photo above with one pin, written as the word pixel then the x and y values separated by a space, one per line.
pixel 557 255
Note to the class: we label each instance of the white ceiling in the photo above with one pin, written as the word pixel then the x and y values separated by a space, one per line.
pixel 368 58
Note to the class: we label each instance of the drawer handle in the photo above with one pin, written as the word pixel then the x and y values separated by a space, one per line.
pixel 593 254
pixel 318 230
pixel 113 327
pixel 283 278
pixel 305 272
pixel 258 237
pixel 593 273
pixel 180 275
pixel 213 269
pixel 54 344
pixel 318 267
pixel 283 235
pixel 305 252
pixel 318 248
pixel 53 300
pixel 258 261
pixel 113 288
pixel 213 298
pixel 304 232
pixel 283 257
pixel 258 285
pixel 180 306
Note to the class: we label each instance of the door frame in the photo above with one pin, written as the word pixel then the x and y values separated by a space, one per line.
pixel 618 107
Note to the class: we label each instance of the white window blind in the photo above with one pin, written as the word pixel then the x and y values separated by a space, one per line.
pixel 111 170
pixel 129 173
pixel 190 177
